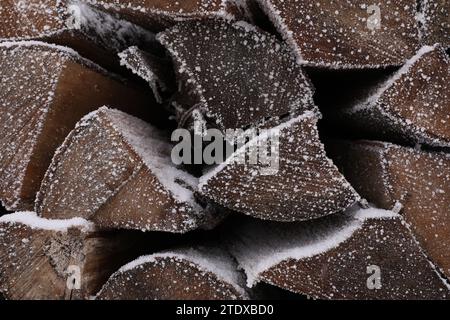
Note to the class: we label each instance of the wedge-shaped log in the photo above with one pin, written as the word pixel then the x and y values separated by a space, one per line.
pixel 200 273
pixel 116 170
pixel 363 254
pixel 413 181
pixel 300 183
pixel 436 22
pixel 344 34
pixel 413 106
pixel 58 259
pixel 235 74
pixel 44 91
pixel 92 32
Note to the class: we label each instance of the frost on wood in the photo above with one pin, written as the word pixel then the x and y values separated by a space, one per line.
pixel 435 19
pixel 90 31
pixel 159 15
pixel 38 257
pixel 44 91
pixel 334 258
pixel 200 273
pixel 307 185
pixel 413 181
pixel 413 106
pixel 155 70
pixel 237 75
pixel 116 170
pixel 346 34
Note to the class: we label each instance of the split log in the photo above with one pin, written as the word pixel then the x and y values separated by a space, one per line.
pixel 155 70
pixel 413 181
pixel 220 66
pixel 117 171
pixel 301 182
pixel 201 273
pixel 344 34
pixel 44 91
pixel 363 254
pixel 413 106
pixel 58 259
pixel 435 19
pixel 159 15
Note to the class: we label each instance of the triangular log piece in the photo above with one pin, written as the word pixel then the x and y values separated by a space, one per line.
pixel 435 21
pixel 200 273
pixel 362 254
pixel 413 106
pixel 117 171
pixel 237 75
pixel 44 91
pixel 92 32
pixel 300 183
pixel 155 70
pixel 345 34
pixel 58 259
pixel 414 182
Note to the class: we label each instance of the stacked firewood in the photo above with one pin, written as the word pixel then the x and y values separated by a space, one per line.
pixel 94 205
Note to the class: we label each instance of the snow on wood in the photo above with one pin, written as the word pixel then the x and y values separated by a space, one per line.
pixel 305 184
pixel 94 33
pixel 238 75
pixel 44 259
pixel 116 170
pixel 197 273
pixel 415 182
pixel 435 22
pixel 339 257
pixel 44 91
pixel 345 34
pixel 155 70
pixel 412 106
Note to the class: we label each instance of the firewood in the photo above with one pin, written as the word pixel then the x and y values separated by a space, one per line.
pixel 117 171
pixel 92 32
pixel 159 15
pixel 304 185
pixel 414 182
pixel 58 259
pixel 157 71
pixel 44 91
pixel 362 254
pixel 435 21
pixel 220 66
pixel 200 273
pixel 345 34
pixel 412 106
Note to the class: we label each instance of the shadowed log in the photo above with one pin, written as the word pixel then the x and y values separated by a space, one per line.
pixel 59 259
pixel 414 182
pixel 365 254
pixel 344 34
pixel 44 91
pixel 116 170
pixel 435 22
pixel 413 106
pixel 202 273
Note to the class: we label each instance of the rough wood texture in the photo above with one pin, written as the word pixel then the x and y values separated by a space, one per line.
pixel 436 22
pixel 41 102
pixel 221 66
pixel 202 273
pixel 414 181
pixel 93 33
pixel 413 106
pixel 116 170
pixel 339 33
pixel 333 258
pixel 38 256
pixel 305 184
